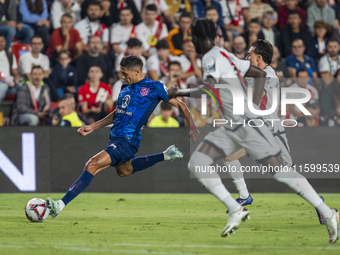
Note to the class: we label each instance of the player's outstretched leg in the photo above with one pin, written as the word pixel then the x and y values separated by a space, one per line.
pixel 300 184
pixel 212 182
pixel 97 163
pixel 141 163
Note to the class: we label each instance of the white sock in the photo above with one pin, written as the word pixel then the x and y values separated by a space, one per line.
pixel 61 205
pixel 300 184
pixel 237 177
pixel 212 181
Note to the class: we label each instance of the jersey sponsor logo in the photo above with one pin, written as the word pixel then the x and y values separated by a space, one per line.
pixel 126 101
pixel 122 111
pixel 209 66
pixel 144 91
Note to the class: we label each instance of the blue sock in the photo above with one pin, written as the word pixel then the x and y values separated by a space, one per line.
pixel 140 163
pixel 77 187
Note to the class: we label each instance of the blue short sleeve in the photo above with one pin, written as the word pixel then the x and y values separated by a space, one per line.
pixel 290 61
pixel 161 91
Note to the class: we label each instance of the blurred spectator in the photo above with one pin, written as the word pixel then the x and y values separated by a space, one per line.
pixel 330 96
pixel 65 38
pixel 151 31
pixel 203 120
pixel 9 26
pixel 190 63
pixel 138 4
pixel 35 15
pixel 336 8
pixel 258 8
pixel 178 7
pixel 34 58
pixel 178 35
pixel 270 32
pixel 61 7
pixel 94 58
pixel 199 9
pixel 67 116
pixel 330 63
pixel 64 76
pixel 95 97
pixel 294 31
pixel 239 47
pixel 334 121
pixel 320 11
pixel 279 65
pixel 123 31
pixel 284 10
pixel 223 37
pixel 235 15
pixel 9 75
pixel 253 33
pixel 298 60
pixel 33 103
pixel 134 47
pixel 301 82
pixel 118 5
pixel 91 26
pixel 174 76
pixel 314 120
pixel 164 119
pixel 157 64
pixel 319 40
pixel 162 9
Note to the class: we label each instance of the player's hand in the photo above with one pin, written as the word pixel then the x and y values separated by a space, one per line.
pixel 85 130
pixel 194 134
pixel 172 91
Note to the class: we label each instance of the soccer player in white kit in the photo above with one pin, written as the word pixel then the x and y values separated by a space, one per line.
pixel 224 67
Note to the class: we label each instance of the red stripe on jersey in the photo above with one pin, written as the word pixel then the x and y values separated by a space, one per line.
pixel 264 102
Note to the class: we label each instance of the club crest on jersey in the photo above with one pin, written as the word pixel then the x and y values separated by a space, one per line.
pixel 144 91
pixel 125 101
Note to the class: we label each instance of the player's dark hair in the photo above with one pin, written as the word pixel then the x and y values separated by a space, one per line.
pixel 209 8
pixel 125 8
pixel 67 15
pixel 166 106
pixel 264 49
pixel 37 67
pixel 184 15
pixel 131 62
pixel 162 44
pixel 133 42
pixel 94 3
pixel 292 12
pixel 301 70
pixel 151 7
pixel 174 63
pixel 203 29
pixel 255 20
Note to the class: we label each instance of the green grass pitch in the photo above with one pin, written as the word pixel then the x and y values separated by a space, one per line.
pixel 182 224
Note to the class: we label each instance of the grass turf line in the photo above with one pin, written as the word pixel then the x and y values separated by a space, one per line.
pixel 164 224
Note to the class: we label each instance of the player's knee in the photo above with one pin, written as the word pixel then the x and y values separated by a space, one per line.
pixel 123 172
pixel 92 166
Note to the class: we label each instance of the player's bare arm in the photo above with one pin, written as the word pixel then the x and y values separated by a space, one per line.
pixel 259 81
pixel 182 107
pixel 85 130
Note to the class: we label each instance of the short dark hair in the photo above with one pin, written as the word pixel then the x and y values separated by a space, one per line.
pixel 151 7
pixel 134 42
pixel 162 44
pixel 301 70
pixel 264 49
pixel 184 15
pixel 64 52
pixel 95 66
pixel 203 29
pixel 166 106
pixel 37 67
pixel 131 62
pixel 36 36
pixel 209 8
pixel 332 40
pixel 292 12
pixel 94 3
pixel 126 8
pixel 298 40
pixel 255 20
pixel 174 63
pixel 67 15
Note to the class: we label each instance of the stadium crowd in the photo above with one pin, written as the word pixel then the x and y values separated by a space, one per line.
pixel 59 60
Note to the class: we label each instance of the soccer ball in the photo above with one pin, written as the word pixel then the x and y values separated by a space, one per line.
pixel 36 210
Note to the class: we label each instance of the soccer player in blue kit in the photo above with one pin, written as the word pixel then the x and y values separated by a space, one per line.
pixel 137 99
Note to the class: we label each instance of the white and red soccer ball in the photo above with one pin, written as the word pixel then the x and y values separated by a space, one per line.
pixel 36 210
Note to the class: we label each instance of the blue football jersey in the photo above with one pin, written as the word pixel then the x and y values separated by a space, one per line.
pixel 136 102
